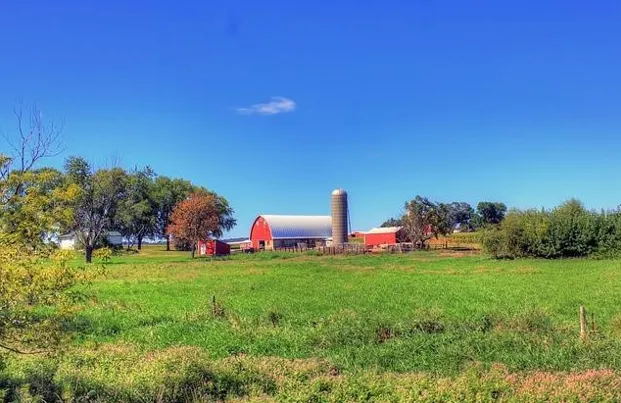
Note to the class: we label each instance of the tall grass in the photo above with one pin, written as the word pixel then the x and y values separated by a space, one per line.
pixel 342 327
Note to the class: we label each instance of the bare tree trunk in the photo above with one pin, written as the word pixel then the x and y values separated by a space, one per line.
pixel 167 242
pixel 140 242
pixel 88 254
pixel 192 251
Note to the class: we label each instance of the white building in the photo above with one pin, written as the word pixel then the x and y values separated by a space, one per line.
pixel 70 240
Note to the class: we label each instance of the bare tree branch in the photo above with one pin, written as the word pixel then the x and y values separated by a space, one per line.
pixel 15 350
pixel 35 139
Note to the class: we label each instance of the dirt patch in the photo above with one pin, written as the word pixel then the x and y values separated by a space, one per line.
pixel 526 270
pixel 458 253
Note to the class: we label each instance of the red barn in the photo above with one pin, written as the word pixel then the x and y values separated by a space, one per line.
pixel 213 247
pixel 282 231
pixel 383 236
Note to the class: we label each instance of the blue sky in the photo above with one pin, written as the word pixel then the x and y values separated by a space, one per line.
pixel 275 103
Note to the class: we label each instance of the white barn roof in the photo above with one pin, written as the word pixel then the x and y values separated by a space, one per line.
pixel 299 226
pixel 384 230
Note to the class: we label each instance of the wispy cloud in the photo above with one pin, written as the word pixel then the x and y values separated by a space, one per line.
pixel 275 106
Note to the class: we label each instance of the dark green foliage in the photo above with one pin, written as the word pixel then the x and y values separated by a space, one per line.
pixel 461 213
pixel 136 217
pixel 564 232
pixel 392 222
pixel 167 193
pixel 489 213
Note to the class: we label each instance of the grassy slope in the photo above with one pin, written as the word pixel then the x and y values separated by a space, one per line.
pixel 420 312
pixel 354 324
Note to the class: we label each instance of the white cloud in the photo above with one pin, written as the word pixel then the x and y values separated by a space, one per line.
pixel 275 106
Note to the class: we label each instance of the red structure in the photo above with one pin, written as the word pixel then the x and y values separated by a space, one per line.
pixel 260 234
pixel 270 232
pixel 213 247
pixel 383 236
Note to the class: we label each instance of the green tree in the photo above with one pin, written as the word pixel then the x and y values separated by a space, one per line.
pixel 34 204
pixel 96 205
pixel 489 213
pixel 137 212
pixel 167 193
pixel 461 213
pixel 424 219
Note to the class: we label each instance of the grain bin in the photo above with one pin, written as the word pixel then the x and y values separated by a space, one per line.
pixel 340 219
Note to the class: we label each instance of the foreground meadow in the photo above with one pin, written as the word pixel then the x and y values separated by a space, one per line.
pixel 421 326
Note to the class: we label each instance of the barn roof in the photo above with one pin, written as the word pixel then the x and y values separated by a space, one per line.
pixel 385 230
pixel 299 226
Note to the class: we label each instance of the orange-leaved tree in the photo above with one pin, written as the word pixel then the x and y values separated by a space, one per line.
pixel 202 215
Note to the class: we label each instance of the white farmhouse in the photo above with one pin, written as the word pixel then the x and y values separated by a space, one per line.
pixel 70 240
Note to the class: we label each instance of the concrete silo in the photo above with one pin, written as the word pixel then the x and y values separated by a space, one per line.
pixel 340 217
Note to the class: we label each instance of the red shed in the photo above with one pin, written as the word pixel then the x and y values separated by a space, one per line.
pixel 213 247
pixel 383 236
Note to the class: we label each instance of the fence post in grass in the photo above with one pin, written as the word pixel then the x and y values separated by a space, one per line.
pixel 583 323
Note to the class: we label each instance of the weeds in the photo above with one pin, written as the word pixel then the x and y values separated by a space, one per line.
pixel 385 333
pixel 217 309
pixel 274 318
pixel 429 321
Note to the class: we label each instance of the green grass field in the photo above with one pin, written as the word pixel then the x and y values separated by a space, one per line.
pixel 422 326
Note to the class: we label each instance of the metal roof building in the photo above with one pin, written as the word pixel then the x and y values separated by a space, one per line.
pixel 278 231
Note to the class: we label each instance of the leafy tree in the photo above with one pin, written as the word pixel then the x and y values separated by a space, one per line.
pixel 167 193
pixel 96 205
pixel 461 214
pixel 137 212
pixel 202 215
pixel 489 213
pixel 424 219
pixel 32 201
pixel 34 205
pixel 226 220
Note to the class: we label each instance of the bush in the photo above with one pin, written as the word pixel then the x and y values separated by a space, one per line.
pixel 564 232
pixel 103 254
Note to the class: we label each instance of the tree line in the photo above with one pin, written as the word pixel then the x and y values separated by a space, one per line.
pixel 566 231
pixel 38 296
pixel 422 219
pixel 39 203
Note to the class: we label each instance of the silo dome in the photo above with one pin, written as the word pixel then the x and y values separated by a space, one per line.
pixel 339 192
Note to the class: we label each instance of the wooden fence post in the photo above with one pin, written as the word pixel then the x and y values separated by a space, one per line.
pixel 583 323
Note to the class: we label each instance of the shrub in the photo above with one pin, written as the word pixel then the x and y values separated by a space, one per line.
pixel 572 231
pixel 494 243
pixel 564 232
pixel 103 254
